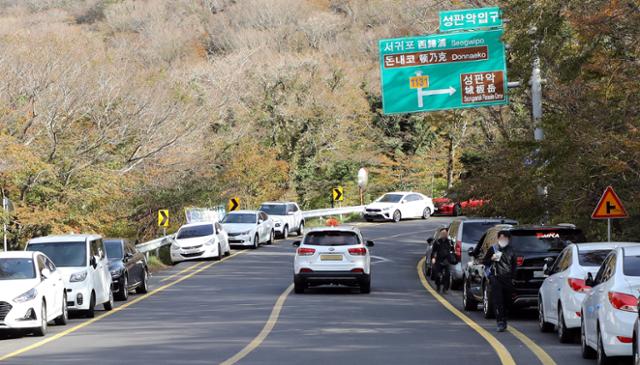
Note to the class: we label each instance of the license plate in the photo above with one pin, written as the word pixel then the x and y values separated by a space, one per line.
pixel 538 274
pixel 331 257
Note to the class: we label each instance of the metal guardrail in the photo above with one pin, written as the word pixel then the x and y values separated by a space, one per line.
pixel 317 213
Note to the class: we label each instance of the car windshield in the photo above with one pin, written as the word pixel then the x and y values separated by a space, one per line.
pixel 242 218
pixel 631 266
pixel 114 249
pixel 63 254
pixel 16 269
pixel 472 231
pixel 331 239
pixel 592 258
pixel 544 240
pixel 195 231
pixel 274 209
pixel 391 198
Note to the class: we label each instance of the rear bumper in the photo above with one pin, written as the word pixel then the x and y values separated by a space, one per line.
pixel 524 300
pixel 332 277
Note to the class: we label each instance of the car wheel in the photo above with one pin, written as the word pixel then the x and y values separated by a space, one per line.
pixel 397 216
pixel 427 268
pixel 542 323
pixel 487 304
pixel 564 334
pixel 636 354
pixel 426 213
pixel 228 252
pixel 143 288
pixel 42 330
pixel 218 257
pixel 91 312
pixel 64 317
pixel 256 242
pixel 299 286
pixel 470 304
pixel 301 229
pixel 457 210
pixel 109 304
pixel 271 238
pixel 123 290
pixel 587 352
pixel 285 232
pixel 368 219
pixel 601 356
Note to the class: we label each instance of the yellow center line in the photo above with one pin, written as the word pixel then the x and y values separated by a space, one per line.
pixel 499 348
pixel 182 271
pixel 544 358
pixel 271 322
pixel 114 311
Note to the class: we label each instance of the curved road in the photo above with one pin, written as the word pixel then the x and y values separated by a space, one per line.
pixel 242 311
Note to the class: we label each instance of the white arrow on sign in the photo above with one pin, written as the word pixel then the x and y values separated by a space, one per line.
pixel 422 93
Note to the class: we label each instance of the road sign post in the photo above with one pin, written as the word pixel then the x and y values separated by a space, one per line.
pixel 443 71
pixel 609 207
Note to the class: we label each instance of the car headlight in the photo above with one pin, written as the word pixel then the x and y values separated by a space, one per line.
pixel 174 246
pixel 210 242
pixel 278 224
pixel 386 209
pixel 78 277
pixel 25 297
pixel 245 233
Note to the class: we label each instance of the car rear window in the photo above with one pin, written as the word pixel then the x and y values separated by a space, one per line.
pixel 631 266
pixel 592 258
pixel 472 231
pixel 546 240
pixel 196 231
pixel 331 239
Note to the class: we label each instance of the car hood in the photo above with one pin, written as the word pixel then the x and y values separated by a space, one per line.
pixel 187 242
pixel 238 227
pixel 115 264
pixel 379 205
pixel 9 289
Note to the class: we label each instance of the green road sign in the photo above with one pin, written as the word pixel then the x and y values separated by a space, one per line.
pixel 443 71
pixel 464 19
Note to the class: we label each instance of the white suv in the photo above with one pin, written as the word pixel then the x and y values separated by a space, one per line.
pixel 287 217
pixel 83 263
pixel 332 255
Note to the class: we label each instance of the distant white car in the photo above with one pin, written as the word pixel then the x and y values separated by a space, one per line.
pixel 400 205
pixel 32 292
pixel 198 241
pixel 287 217
pixel 332 255
pixel 562 292
pixel 83 264
pixel 249 228
pixel 610 309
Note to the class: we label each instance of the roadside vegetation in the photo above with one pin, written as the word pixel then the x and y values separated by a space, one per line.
pixel 113 109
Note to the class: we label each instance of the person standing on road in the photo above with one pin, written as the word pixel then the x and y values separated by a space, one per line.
pixel 502 262
pixel 441 256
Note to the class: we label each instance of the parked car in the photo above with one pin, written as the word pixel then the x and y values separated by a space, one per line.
pixel 332 255
pixel 563 291
pixel 32 292
pixel 249 228
pixel 610 308
pixel 399 205
pixel 450 206
pixel 466 233
pixel 287 217
pixel 83 264
pixel 534 246
pixel 199 241
pixel 128 267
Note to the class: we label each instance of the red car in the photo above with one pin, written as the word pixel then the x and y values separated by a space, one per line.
pixel 448 206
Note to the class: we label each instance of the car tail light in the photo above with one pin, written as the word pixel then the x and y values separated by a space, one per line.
pixel 358 251
pixel 358 270
pixel 578 285
pixel 623 302
pixel 579 314
pixel 459 250
pixel 625 339
pixel 520 260
pixel 304 269
pixel 303 251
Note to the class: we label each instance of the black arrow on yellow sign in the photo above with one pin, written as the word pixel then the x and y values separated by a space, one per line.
pixel 234 204
pixel 163 218
pixel 338 194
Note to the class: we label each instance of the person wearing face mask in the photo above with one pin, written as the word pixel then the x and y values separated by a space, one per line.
pixel 441 257
pixel 502 262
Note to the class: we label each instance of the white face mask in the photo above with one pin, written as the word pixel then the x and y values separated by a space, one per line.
pixel 503 243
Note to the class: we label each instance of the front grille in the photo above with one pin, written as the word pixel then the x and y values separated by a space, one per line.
pixel 192 254
pixel 373 210
pixel 234 234
pixel 191 247
pixel 4 310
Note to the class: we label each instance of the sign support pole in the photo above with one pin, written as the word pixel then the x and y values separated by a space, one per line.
pixel 5 208
pixel 609 230
pixel 536 112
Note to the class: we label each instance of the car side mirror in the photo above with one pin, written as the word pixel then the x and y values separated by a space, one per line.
pixel 430 240
pixel 370 244
pixel 471 252
pixel 296 244
pixel 93 262
pixel 45 273
pixel 402 202
pixel 589 280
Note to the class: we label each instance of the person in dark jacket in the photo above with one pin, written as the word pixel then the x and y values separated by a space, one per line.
pixel 441 254
pixel 502 262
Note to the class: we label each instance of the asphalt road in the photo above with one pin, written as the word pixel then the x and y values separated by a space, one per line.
pixel 242 311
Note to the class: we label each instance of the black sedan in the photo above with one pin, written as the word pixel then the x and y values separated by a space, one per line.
pixel 128 268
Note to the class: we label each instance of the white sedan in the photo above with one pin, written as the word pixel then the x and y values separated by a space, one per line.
pixel 249 228
pixel 400 205
pixel 32 292
pixel 200 240
pixel 609 310
pixel 563 291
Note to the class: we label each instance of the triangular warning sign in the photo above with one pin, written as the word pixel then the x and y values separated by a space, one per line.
pixel 609 206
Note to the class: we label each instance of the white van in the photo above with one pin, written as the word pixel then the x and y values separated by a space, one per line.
pixel 83 263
